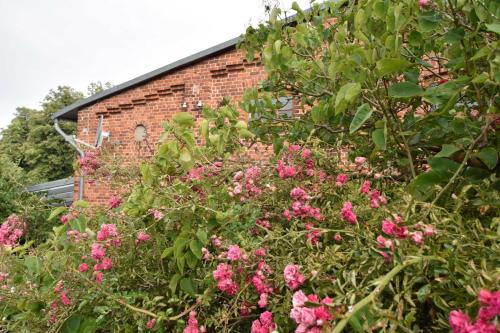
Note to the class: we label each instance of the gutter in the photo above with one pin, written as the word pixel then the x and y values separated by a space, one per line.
pixel 72 142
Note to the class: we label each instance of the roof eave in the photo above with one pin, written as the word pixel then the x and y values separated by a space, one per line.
pixel 70 112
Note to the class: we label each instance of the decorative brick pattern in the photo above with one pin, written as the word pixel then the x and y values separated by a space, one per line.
pixel 225 74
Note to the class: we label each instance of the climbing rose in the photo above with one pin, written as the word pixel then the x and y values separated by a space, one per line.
pixel 263 300
pixel 306 153
pixel 264 324
pixel 234 253
pixel 347 213
pixel 12 230
pixel 341 180
pixel 192 326
pixel 360 160
pixel 388 227
pixel 114 202
pixel 490 304
pixel 459 322
pixel 151 324
pixel 293 278
pixel 64 219
pixel 365 187
pixel 98 277
pixel 83 267
pixel 142 237
pixel 223 275
pixel 107 231
pixel 97 251
pixel 64 299
pixel 418 237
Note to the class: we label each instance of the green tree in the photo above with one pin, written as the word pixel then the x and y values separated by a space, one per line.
pixel 419 81
pixel 32 143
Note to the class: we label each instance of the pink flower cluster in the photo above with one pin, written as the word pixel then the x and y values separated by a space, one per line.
pixel 12 230
pixel 341 180
pixel 286 171
pixel 286 168
pixel 192 325
pixel 108 235
pixel 394 229
pixel 293 278
pixel 260 284
pixel 310 320
pixel 376 199
pixel 76 236
pixel 490 308
pixel 197 173
pixel 264 324
pixel 89 163
pixel 245 184
pixel 142 237
pixel 365 187
pixel 300 207
pixel 313 235
pixel 233 252
pixel 157 215
pixel 63 297
pixel 347 214
pixel 224 277
pixel 114 202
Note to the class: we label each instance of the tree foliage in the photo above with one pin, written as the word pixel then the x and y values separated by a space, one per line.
pixel 32 143
pixel 411 78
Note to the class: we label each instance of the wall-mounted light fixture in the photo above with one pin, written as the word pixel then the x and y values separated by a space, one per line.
pixel 184 105
pixel 199 104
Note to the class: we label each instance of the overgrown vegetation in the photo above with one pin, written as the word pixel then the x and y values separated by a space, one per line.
pixel 335 232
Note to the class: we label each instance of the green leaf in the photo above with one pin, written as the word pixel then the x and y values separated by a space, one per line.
pixel 183 119
pixel 362 115
pixel 174 281
pixel 202 236
pixel 167 252
pixel 72 324
pixel 346 94
pixel 33 264
pixel 391 65
pixel 186 160
pixel 423 292
pixel 495 27
pixel 56 212
pixel 191 260
pixel 378 137
pixel 195 247
pixel 188 286
pixel 489 156
pixel 181 262
pixel 204 129
pixel 405 90
pixel 447 150
pixel 423 186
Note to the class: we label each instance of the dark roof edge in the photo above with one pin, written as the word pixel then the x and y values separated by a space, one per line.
pixel 66 112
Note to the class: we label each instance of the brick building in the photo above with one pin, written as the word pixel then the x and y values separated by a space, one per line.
pixel 134 111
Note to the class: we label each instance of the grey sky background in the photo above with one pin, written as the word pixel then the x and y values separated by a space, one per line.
pixel 48 43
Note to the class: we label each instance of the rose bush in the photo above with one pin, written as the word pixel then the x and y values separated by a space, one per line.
pixel 310 241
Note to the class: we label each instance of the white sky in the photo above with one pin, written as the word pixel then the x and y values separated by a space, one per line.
pixel 48 43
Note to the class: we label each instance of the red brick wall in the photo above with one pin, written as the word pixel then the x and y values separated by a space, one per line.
pixel 151 103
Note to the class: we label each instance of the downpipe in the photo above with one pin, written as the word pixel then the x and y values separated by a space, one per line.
pixel 72 142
